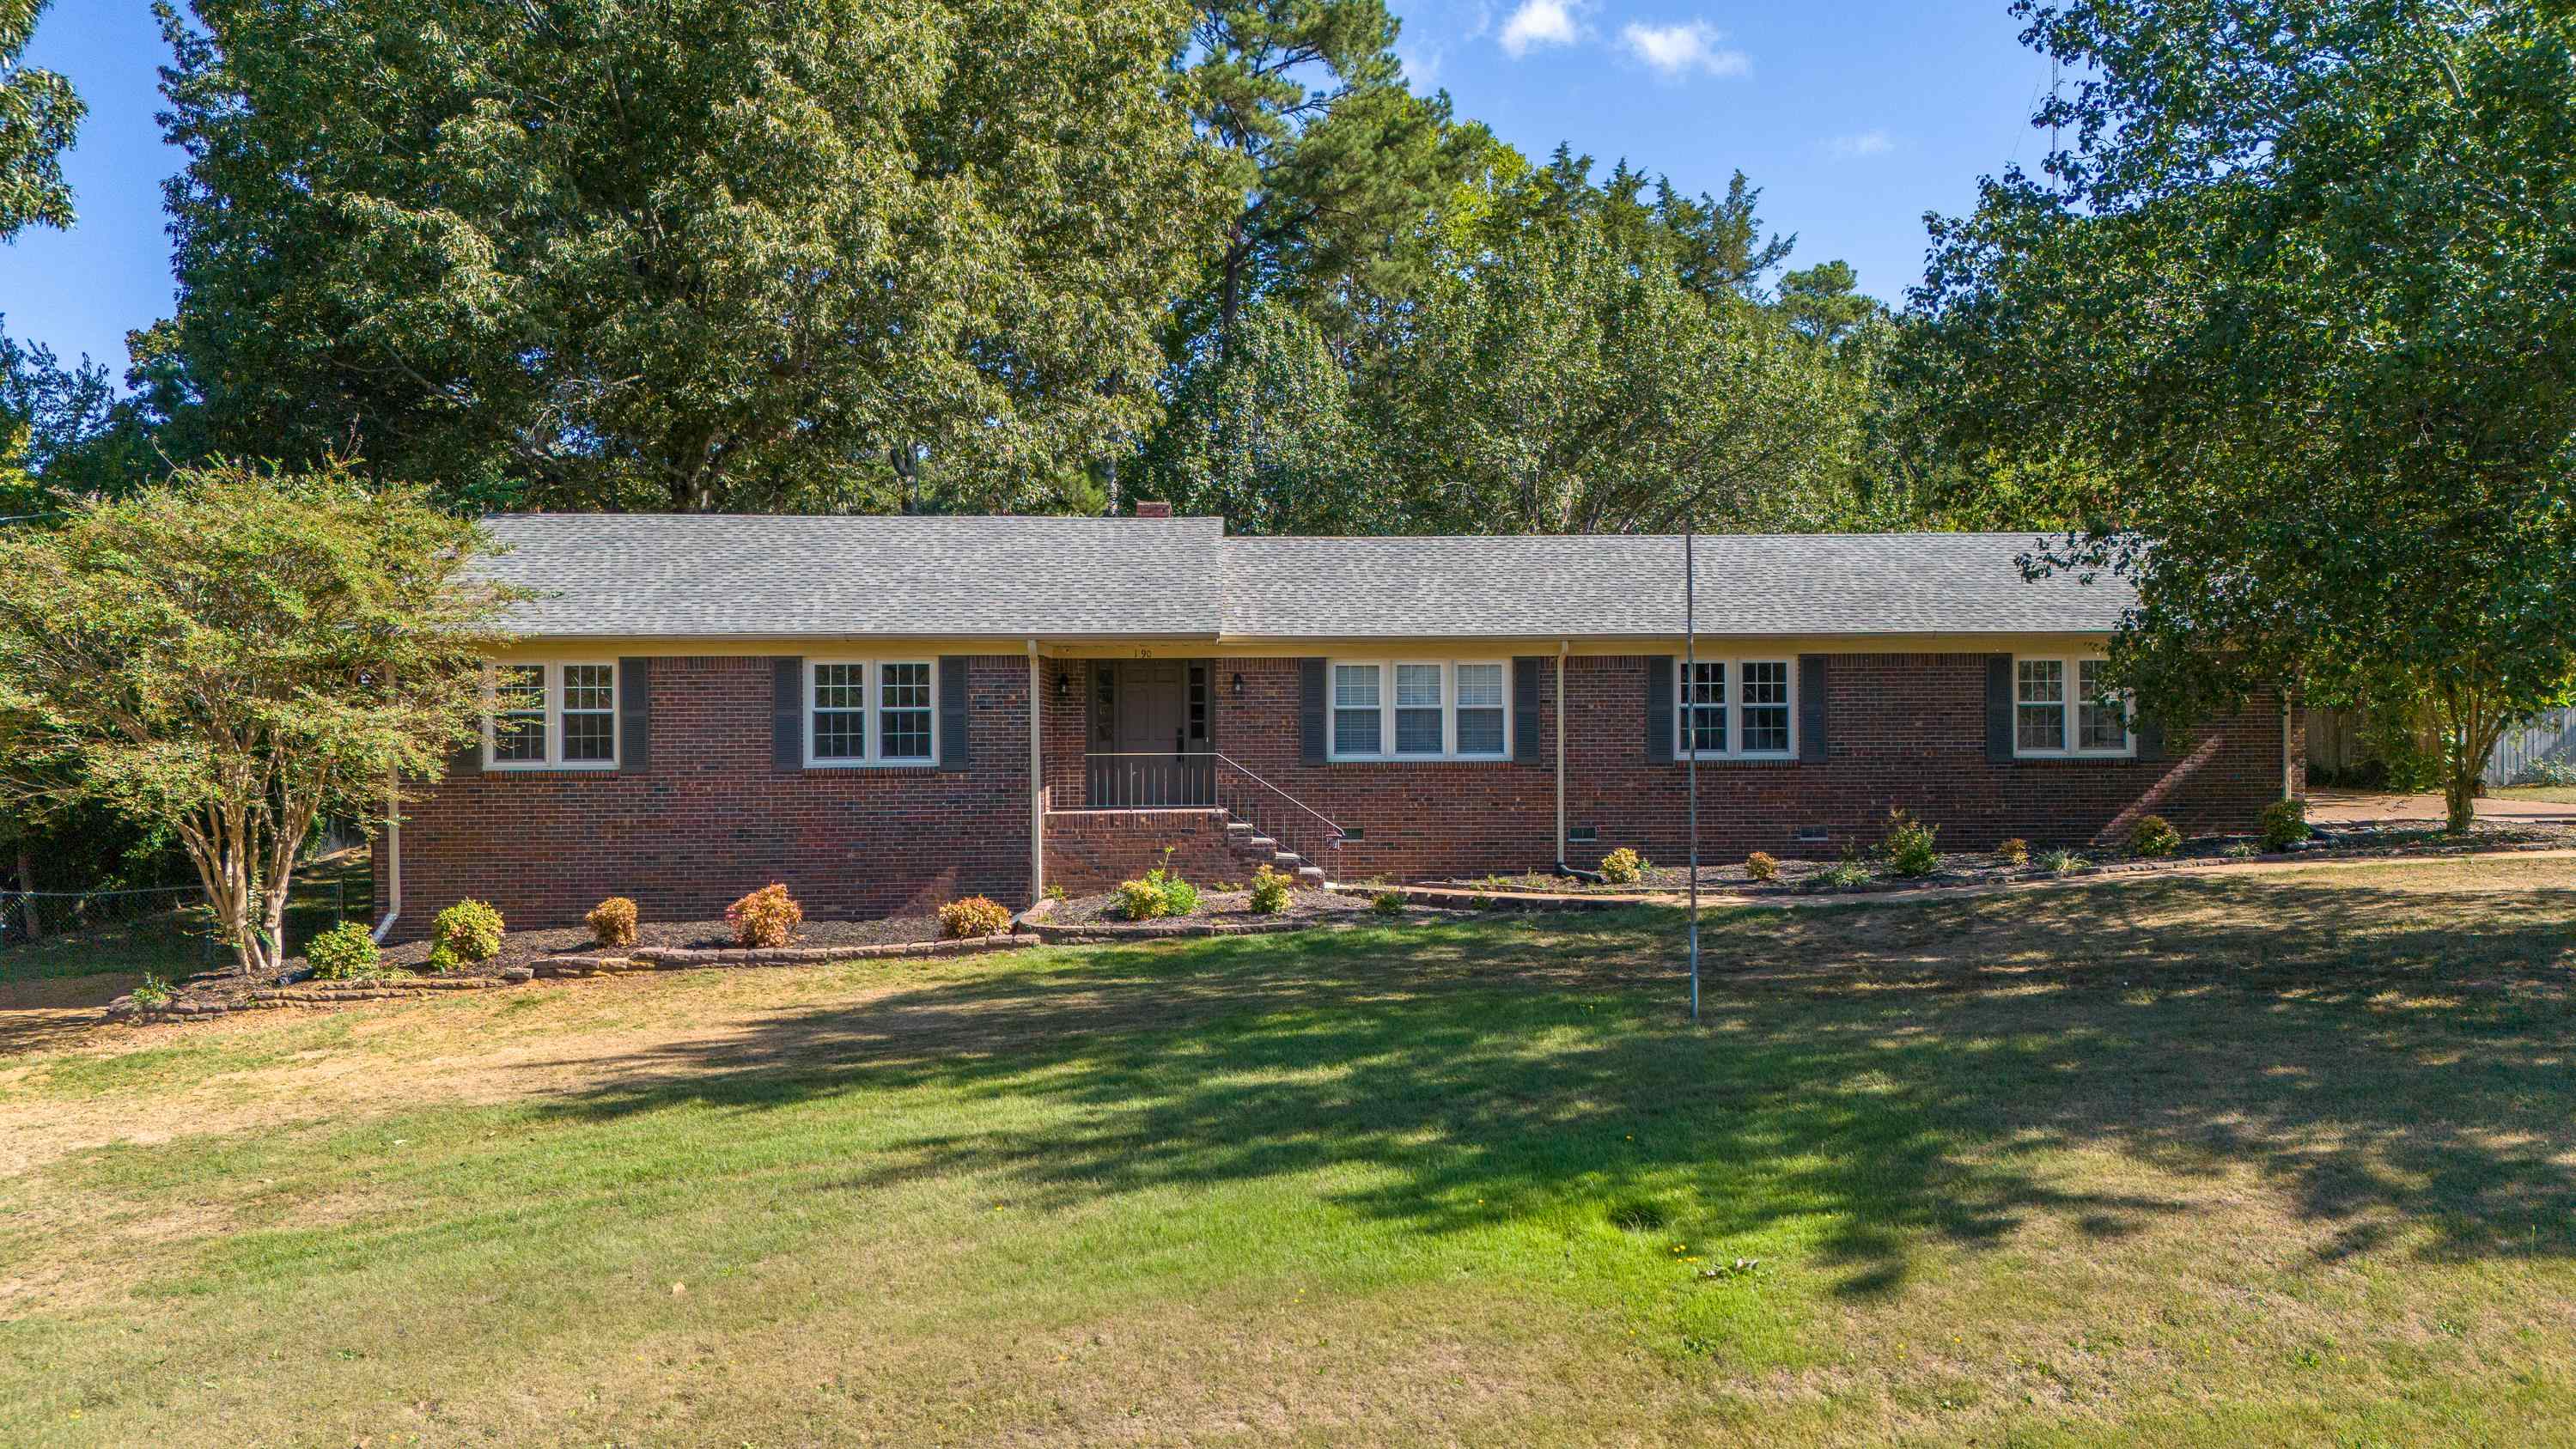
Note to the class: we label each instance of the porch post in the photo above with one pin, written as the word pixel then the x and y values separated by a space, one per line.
pixel 1037 778
pixel 1562 648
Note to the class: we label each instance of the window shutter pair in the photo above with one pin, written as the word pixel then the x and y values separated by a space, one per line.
pixel 634 725
pixel 1999 717
pixel 1663 708
pixel 787 713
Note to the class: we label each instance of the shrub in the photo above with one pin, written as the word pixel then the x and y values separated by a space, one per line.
pixel 1054 891
pixel 2541 772
pixel 1842 875
pixel 153 992
pixel 2285 823
pixel 1270 889
pixel 2242 850
pixel 612 922
pixel 1909 846
pixel 1760 866
pixel 768 916
pixel 2154 835
pixel 973 916
pixel 342 953
pixel 466 932
pixel 1622 867
pixel 2062 862
pixel 2015 851
pixel 1159 892
pixel 1388 903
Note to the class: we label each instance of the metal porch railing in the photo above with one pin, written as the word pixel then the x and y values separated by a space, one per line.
pixel 1207 779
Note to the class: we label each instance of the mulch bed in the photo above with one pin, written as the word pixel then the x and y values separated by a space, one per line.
pixel 527 948
pixel 1959 868
pixel 1220 913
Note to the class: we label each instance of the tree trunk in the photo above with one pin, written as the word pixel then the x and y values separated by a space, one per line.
pixel 2460 799
pixel 27 903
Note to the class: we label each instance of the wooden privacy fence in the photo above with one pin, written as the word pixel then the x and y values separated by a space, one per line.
pixel 2337 742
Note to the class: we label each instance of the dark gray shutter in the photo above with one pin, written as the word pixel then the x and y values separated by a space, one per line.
pixel 953 754
pixel 787 713
pixel 1811 708
pixel 634 716
pixel 1663 721
pixel 467 758
pixel 1311 714
pixel 1525 707
pixel 2151 737
pixel 1999 709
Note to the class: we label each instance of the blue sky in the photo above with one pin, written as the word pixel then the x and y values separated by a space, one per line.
pixel 1853 118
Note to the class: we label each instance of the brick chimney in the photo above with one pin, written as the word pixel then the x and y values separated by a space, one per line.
pixel 1152 508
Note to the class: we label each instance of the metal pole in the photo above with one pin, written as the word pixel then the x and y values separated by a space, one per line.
pixel 1690 736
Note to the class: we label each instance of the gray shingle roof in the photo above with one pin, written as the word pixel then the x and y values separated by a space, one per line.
pixel 656 575
pixel 1597 585
pixel 665 575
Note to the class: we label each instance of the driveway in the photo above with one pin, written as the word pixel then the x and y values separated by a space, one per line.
pixel 2346 807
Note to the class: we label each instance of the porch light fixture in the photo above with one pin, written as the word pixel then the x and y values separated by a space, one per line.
pixel 1063 686
pixel 1237 685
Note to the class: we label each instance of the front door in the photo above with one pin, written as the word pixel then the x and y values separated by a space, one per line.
pixel 1151 764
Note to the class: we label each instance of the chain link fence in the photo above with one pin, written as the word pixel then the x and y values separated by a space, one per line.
pixel 165 930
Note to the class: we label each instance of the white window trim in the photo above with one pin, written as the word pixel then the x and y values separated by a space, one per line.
pixel 1386 752
pixel 872 699
pixel 1734 705
pixel 552 675
pixel 2073 705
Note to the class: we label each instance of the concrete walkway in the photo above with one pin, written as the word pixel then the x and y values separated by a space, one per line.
pixel 2343 807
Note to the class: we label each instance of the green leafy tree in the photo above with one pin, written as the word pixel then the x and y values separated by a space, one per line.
pixel 231 656
pixel 692 255
pixel 39 115
pixel 1558 385
pixel 2293 313
pixel 1272 437
pixel 83 436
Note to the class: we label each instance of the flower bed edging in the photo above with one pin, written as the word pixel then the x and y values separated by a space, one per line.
pixel 650 958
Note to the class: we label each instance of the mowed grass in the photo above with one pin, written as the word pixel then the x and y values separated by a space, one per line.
pixel 2287 1159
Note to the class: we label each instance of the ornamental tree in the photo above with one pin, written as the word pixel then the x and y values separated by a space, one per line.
pixel 234 654
pixel 2294 320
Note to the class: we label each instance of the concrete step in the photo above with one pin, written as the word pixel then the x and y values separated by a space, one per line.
pixel 1312 875
pixel 1238 827
pixel 1287 860
pixel 1262 843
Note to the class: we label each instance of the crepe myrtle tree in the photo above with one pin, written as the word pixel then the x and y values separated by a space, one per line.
pixel 234 654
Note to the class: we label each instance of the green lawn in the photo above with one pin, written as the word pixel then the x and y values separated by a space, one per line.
pixel 2551 794
pixel 170 933
pixel 2285 1159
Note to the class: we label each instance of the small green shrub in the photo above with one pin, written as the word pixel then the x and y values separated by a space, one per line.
pixel 1760 866
pixel 1054 891
pixel 343 953
pixel 1842 875
pixel 468 931
pixel 973 916
pixel 153 992
pixel 1159 892
pixel 2285 823
pixel 1909 845
pixel 1270 889
pixel 2154 836
pixel 2015 851
pixel 1622 867
pixel 2242 850
pixel 612 922
pixel 2062 862
pixel 768 917
pixel 1388 903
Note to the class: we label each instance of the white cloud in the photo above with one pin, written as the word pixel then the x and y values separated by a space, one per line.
pixel 1674 51
pixel 1540 22
pixel 1867 143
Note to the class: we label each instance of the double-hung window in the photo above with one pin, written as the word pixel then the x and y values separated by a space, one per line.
pixel 1735 709
pixel 1420 710
pixel 869 712
pixel 551 717
pixel 2066 707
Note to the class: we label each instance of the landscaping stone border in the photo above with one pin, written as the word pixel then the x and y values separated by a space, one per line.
pixel 648 958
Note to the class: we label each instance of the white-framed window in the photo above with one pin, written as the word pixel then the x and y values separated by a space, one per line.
pixel 2064 707
pixel 1735 709
pixel 871 712
pixel 1421 709
pixel 551 717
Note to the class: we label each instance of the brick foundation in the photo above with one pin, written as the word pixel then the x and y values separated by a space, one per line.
pixel 1089 851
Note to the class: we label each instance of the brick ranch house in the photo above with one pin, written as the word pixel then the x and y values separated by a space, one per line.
pixel 889 712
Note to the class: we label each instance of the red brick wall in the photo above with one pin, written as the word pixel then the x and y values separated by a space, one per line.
pixel 1089 851
pixel 712 820
pixel 1904 729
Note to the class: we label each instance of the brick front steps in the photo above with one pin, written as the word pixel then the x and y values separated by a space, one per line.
pixel 649 958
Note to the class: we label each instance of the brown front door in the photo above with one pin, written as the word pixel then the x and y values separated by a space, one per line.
pixel 1152 765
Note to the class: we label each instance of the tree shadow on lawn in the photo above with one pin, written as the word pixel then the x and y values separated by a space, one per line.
pixel 1877 1075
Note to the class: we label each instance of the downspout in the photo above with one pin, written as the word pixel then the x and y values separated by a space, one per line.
pixel 1037 783
pixel 1563 647
pixel 393 866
